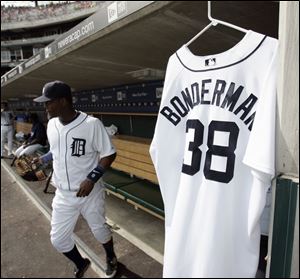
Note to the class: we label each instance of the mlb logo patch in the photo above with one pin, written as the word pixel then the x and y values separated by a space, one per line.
pixel 210 62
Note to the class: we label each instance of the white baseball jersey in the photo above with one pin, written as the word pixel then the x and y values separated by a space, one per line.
pixel 213 151
pixel 76 149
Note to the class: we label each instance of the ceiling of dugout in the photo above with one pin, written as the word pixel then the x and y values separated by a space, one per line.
pixel 145 39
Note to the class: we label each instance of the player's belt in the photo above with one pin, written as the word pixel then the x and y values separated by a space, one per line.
pixel 5 124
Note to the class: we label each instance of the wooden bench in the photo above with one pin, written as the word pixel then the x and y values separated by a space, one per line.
pixel 140 187
pixel 24 127
pixel 133 157
pixel 19 126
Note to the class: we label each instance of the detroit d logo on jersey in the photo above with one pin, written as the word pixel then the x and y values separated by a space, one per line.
pixel 78 147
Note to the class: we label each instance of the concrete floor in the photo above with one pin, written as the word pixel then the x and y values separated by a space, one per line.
pixel 138 236
pixel 26 250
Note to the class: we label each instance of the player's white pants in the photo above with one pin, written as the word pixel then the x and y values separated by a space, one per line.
pixel 7 133
pixel 66 209
pixel 27 150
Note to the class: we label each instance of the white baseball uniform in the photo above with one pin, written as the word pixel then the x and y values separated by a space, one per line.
pixel 27 150
pixel 7 131
pixel 76 149
pixel 213 150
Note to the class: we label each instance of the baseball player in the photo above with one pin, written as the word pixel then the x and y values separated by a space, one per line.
pixel 37 139
pixel 219 114
pixel 7 129
pixel 81 151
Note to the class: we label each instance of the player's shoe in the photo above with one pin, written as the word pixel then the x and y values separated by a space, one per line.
pixel 79 272
pixel 111 268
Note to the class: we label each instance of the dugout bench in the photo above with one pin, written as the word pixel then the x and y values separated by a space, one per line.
pixel 132 175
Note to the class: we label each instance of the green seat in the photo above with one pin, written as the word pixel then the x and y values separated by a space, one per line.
pixel 114 179
pixel 144 193
pixel 140 191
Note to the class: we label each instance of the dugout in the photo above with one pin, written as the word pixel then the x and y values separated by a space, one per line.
pixel 124 48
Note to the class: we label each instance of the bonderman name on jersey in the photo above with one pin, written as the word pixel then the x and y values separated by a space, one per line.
pixel 198 94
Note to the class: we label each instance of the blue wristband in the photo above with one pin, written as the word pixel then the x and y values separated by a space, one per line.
pixel 96 173
pixel 46 158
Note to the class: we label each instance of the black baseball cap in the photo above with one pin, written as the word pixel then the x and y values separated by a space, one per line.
pixel 54 90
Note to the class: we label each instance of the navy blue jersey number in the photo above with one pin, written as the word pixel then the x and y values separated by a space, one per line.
pixel 194 146
pixel 217 150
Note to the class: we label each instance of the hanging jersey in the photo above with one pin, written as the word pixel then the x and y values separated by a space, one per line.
pixel 76 149
pixel 213 151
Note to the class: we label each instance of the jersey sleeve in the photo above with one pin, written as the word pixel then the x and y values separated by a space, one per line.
pixel 260 152
pixel 160 146
pixel 101 141
pixel 49 130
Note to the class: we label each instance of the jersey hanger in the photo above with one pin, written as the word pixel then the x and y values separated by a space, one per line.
pixel 214 22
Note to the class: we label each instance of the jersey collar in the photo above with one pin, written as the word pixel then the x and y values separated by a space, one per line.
pixel 237 54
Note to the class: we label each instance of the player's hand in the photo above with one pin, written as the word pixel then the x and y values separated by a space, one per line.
pixel 86 187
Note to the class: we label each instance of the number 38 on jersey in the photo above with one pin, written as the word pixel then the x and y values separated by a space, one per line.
pixel 195 153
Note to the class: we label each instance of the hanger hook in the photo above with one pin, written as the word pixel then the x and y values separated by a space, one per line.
pixel 209 10
pixel 214 22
